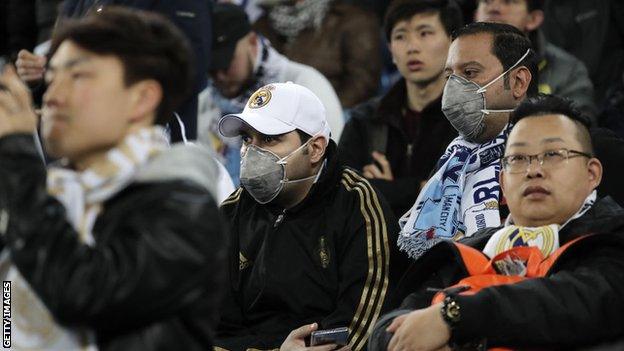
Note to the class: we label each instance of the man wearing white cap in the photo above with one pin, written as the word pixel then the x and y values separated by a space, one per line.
pixel 311 241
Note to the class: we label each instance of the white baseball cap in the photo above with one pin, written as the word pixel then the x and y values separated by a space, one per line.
pixel 279 108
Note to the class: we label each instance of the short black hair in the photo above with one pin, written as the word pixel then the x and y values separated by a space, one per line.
pixel 148 45
pixel 303 136
pixel 509 45
pixel 531 4
pixel 545 104
pixel 402 10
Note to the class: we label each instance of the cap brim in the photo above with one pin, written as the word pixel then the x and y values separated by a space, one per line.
pixel 222 57
pixel 230 125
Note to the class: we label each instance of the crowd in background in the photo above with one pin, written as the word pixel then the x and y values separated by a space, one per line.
pixel 407 112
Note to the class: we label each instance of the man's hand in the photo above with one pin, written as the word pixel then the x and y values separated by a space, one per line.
pixel 16 113
pixel 30 67
pixel 371 171
pixel 296 340
pixel 420 330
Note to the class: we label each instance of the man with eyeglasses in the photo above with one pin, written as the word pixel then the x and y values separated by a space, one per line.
pixel 549 178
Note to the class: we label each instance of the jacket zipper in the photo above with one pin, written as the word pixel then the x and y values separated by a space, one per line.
pixel 408 156
pixel 279 219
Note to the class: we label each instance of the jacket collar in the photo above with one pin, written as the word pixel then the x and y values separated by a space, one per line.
pixel 391 105
pixel 604 217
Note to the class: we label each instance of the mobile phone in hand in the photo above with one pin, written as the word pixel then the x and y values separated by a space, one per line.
pixel 336 336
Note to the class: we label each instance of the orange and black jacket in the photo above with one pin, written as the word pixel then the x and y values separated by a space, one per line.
pixel 579 302
pixel 330 260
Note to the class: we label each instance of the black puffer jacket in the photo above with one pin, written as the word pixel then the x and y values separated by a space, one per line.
pixel 151 280
pixel 576 306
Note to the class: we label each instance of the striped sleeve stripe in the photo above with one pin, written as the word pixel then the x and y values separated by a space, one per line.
pixel 234 197
pixel 376 284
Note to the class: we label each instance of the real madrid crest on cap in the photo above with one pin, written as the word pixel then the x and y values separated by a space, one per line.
pixel 260 98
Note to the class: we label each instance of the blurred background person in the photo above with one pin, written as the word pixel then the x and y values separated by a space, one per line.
pixel 339 40
pixel 593 31
pixel 193 17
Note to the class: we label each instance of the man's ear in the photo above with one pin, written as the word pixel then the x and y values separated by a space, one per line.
pixel 501 180
pixel 252 39
pixel 594 171
pixel 536 18
pixel 146 95
pixel 522 82
pixel 317 148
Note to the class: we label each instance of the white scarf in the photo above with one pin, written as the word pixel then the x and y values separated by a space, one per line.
pixel 82 194
pixel 546 238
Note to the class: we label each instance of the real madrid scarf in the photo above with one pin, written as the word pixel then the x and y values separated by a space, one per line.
pixel 461 198
pixel 546 238
pixel 82 194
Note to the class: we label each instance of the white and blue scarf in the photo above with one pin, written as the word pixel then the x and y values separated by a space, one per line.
pixel 462 197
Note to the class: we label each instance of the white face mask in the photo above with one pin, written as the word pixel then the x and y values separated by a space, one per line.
pixel 464 105
pixel 263 173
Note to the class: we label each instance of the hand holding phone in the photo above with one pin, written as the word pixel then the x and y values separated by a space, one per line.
pixel 336 336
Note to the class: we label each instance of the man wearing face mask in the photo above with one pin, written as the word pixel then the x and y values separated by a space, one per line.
pixel 311 241
pixel 491 69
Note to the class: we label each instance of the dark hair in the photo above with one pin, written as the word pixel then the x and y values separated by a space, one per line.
pixel 303 136
pixel 509 45
pixel 544 104
pixel 402 10
pixel 533 5
pixel 148 46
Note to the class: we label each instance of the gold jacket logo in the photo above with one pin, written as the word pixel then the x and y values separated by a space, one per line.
pixel 243 262
pixel 260 98
pixel 323 252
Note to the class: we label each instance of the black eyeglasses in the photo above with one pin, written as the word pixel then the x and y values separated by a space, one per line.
pixel 547 159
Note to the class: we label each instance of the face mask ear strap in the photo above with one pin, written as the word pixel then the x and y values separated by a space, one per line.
pixel 283 159
pixel 286 181
pixel 487 112
pixel 482 89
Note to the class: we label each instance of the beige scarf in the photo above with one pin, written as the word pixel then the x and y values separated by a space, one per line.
pixel 82 194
